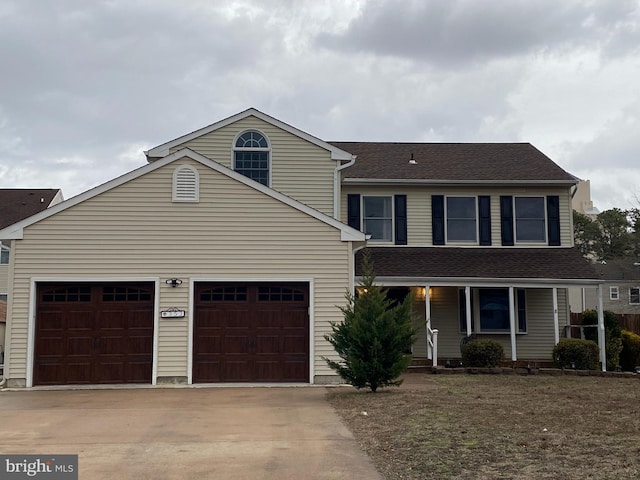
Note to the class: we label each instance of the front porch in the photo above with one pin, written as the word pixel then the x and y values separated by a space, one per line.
pixel 517 297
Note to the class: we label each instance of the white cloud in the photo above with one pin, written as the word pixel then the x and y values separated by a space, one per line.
pixel 92 84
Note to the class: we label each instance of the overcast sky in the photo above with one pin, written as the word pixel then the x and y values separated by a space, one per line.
pixel 86 86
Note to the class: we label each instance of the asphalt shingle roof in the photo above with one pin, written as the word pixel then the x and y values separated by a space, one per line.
pixel 624 269
pixel 19 203
pixel 451 161
pixel 492 263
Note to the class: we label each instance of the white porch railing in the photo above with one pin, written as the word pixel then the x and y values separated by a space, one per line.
pixel 432 345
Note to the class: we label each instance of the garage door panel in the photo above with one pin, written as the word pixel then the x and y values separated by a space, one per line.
pixel 103 333
pixel 235 370
pixel 292 344
pixel 76 372
pixel 250 328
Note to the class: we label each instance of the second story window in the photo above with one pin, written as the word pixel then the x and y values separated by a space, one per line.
pixel 377 218
pixel 251 156
pixel 461 219
pixel 530 219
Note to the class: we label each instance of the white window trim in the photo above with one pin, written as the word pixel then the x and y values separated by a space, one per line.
pixel 393 219
pixel 235 149
pixel 176 197
pixel 446 224
pixel 546 222
pixel 614 293
pixel 8 250
pixel 634 288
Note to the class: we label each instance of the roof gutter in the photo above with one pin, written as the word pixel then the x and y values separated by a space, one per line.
pixel 414 181
pixel 484 282
pixel 336 185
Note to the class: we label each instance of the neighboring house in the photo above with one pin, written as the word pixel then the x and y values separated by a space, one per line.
pixel 226 257
pixel 621 289
pixel 17 204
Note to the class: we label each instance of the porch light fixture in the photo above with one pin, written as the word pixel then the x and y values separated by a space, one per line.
pixel 421 293
pixel 174 282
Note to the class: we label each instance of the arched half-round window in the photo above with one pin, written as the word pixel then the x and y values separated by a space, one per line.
pixel 251 156
pixel 186 184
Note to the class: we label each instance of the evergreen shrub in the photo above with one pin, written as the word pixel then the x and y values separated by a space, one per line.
pixel 576 353
pixel 630 355
pixel 482 353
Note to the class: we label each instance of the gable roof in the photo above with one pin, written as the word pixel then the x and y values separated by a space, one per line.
pixel 347 233
pixel 446 162
pixel 19 203
pixel 565 265
pixel 164 149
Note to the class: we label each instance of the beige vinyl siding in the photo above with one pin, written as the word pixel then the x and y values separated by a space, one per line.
pixel 444 317
pixel 539 340
pixel 300 169
pixel 419 229
pixel 537 343
pixel 4 278
pixel 136 231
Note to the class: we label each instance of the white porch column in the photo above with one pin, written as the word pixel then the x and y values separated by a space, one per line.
pixel 427 316
pixel 512 323
pixel 467 299
pixel 556 322
pixel 601 336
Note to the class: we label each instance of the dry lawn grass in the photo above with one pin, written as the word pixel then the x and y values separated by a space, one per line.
pixel 498 426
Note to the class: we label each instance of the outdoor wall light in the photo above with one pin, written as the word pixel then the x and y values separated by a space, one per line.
pixel 174 282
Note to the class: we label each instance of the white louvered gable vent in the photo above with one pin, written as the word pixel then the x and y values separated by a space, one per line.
pixel 186 186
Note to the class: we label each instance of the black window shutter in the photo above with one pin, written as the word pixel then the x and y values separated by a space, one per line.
pixel 484 212
pixel 506 219
pixel 437 219
pixel 522 310
pixel 553 218
pixel 400 202
pixel 353 210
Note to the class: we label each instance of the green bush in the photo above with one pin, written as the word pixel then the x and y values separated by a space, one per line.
pixel 482 353
pixel 630 355
pixel 612 335
pixel 576 353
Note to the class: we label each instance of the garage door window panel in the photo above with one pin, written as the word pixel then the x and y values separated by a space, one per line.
pixel 67 294
pixel 224 294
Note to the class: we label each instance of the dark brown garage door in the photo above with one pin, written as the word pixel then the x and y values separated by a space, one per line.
pixel 251 332
pixel 93 333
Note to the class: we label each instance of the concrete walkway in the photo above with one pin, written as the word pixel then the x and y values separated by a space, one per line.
pixel 186 433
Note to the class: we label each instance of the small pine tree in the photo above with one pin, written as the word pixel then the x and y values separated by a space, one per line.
pixel 373 337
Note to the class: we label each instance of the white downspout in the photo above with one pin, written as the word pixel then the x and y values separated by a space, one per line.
pixel 556 318
pixel 512 323
pixel 336 186
pixel 467 299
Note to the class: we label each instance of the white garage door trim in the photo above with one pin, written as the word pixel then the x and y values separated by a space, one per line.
pixel 192 290
pixel 32 315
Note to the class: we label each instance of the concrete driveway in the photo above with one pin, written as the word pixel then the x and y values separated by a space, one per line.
pixel 185 433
